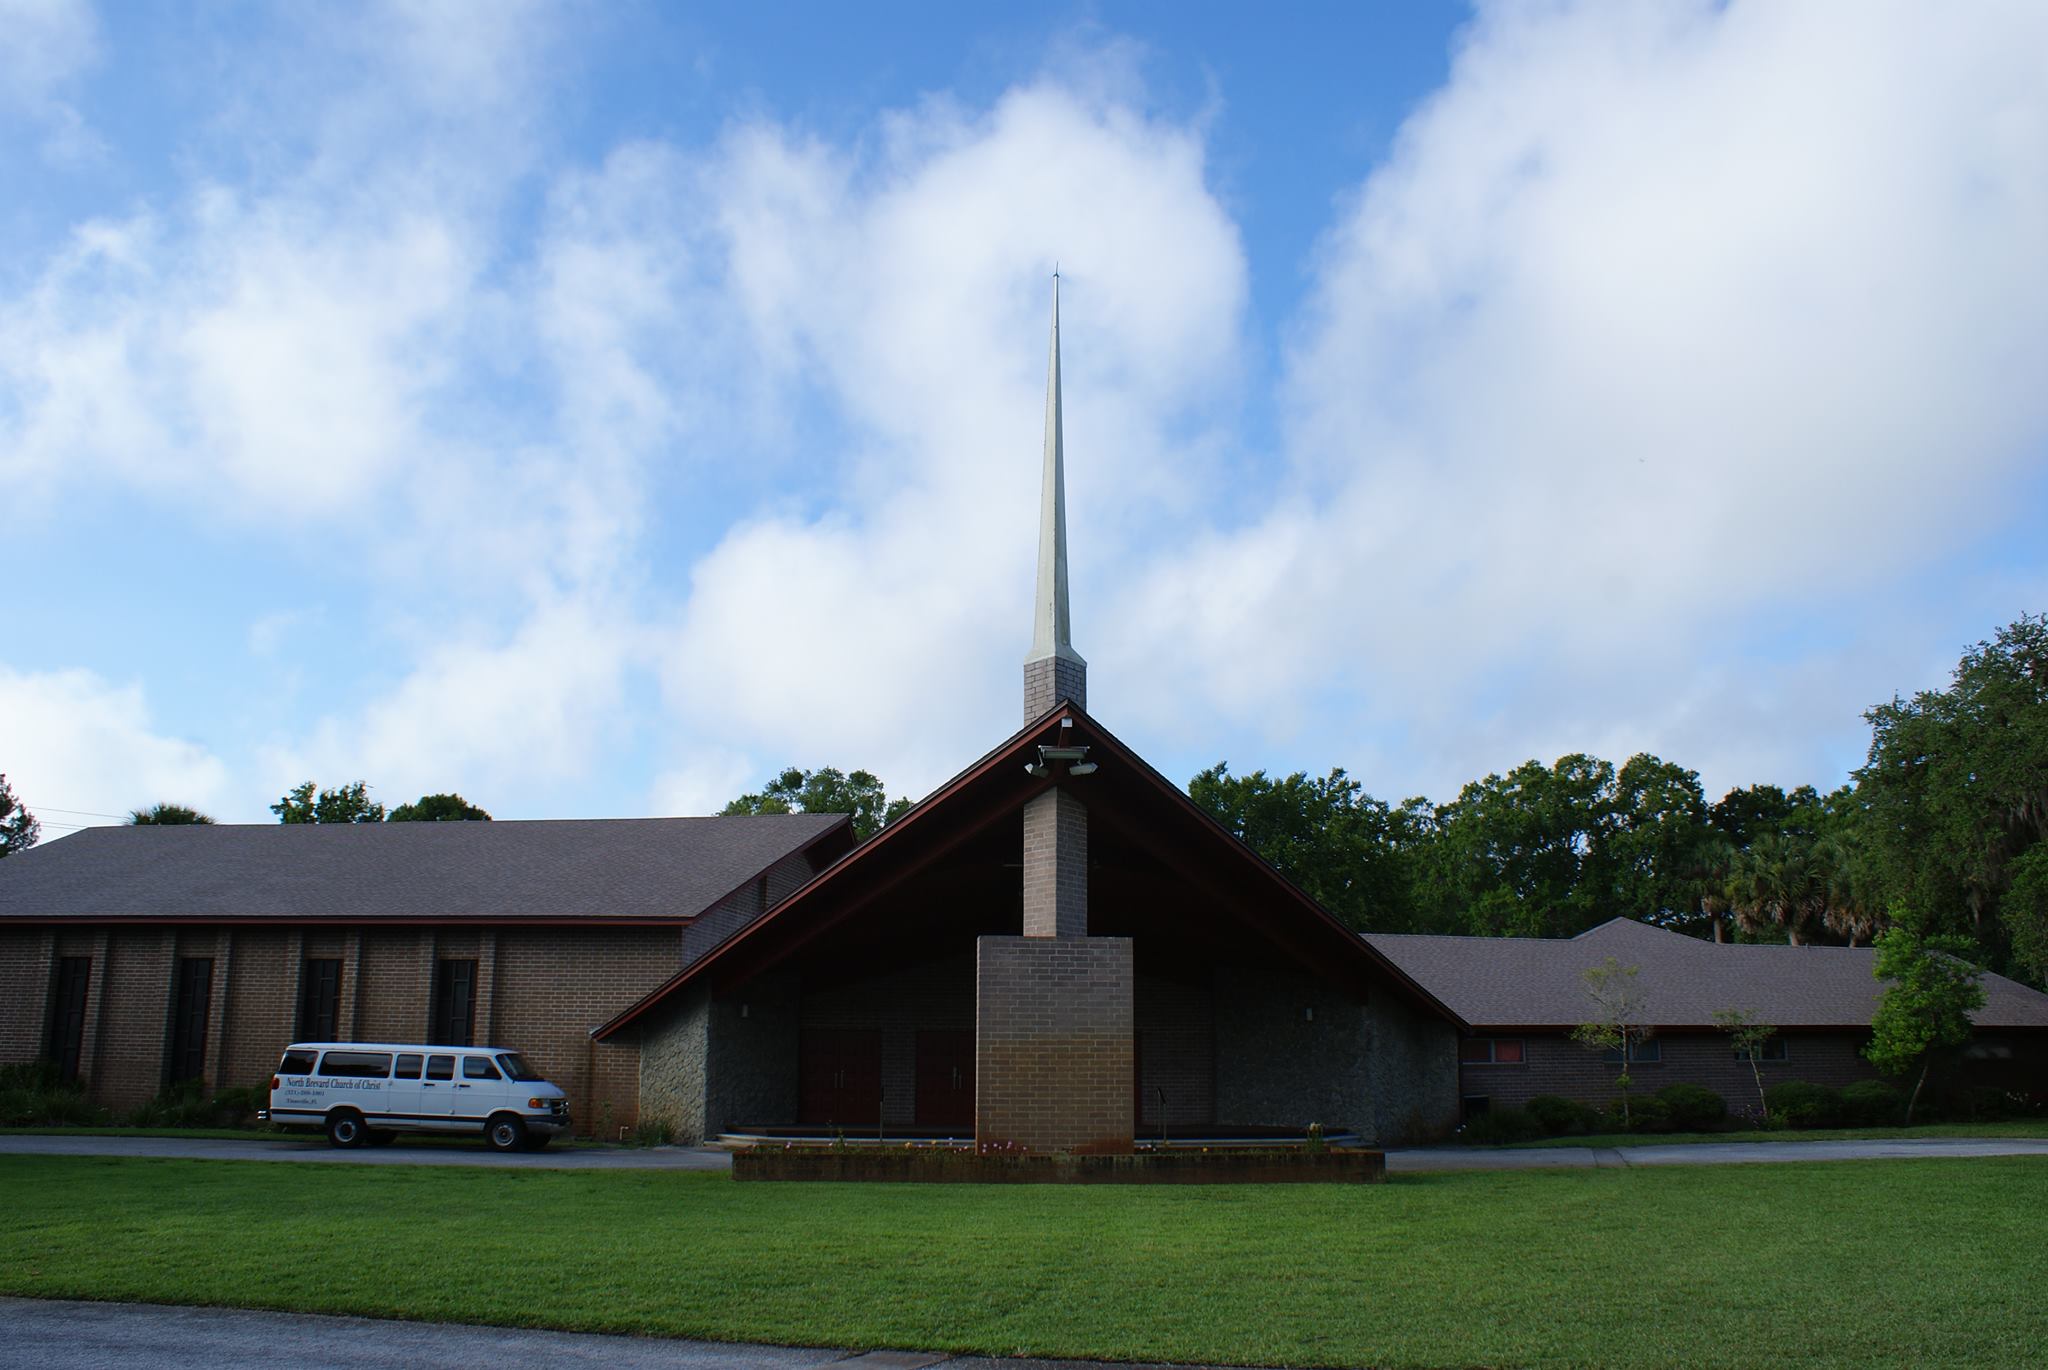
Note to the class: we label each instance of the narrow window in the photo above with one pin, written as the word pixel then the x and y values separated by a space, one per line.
pixel 453 1019
pixel 320 999
pixel 1773 1050
pixel 67 1013
pixel 191 995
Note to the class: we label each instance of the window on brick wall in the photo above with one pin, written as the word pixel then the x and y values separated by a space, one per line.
pixel 453 1018
pixel 320 999
pixel 1650 1051
pixel 1490 1051
pixel 67 1013
pixel 1772 1050
pixel 191 996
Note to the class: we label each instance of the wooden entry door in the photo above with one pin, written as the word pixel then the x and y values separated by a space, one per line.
pixel 839 1076
pixel 945 1078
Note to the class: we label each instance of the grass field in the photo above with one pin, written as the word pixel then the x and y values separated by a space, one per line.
pixel 1863 1263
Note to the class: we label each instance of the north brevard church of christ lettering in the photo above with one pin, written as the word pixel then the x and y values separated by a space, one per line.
pixel 1055 950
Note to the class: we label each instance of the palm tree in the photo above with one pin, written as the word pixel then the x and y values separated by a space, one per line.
pixel 1777 883
pixel 1855 907
pixel 157 815
pixel 1709 862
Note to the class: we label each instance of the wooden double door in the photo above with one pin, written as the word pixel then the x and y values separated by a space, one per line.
pixel 839 1077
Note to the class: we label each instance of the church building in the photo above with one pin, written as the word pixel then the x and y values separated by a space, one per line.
pixel 1056 950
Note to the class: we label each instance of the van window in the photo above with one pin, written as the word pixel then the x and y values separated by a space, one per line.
pixel 408 1067
pixel 296 1063
pixel 440 1067
pixel 365 1065
pixel 478 1068
pixel 515 1067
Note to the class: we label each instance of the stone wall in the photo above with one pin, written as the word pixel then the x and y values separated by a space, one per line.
pixel 1290 1051
pixel 674 1061
pixel 1414 1073
pixel 1053 1043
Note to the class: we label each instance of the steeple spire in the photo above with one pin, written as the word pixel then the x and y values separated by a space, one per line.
pixel 1054 670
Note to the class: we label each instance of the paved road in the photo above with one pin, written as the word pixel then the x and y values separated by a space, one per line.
pixel 1410 1160
pixel 57 1335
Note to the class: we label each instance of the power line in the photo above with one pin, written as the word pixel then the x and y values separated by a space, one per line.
pixel 84 813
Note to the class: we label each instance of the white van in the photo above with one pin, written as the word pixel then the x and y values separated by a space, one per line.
pixel 369 1092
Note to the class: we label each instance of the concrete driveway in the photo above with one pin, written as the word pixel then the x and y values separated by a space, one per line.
pixel 1400 1161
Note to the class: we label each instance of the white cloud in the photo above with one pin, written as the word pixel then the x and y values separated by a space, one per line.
pixel 44 46
pixel 1657 316
pixel 77 742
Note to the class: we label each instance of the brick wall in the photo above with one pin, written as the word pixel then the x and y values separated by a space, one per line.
pixel 1055 866
pixel 1557 1065
pixel 1053 1043
pixel 1176 1061
pixel 25 974
pixel 1050 679
pixel 262 1005
pixel 133 1016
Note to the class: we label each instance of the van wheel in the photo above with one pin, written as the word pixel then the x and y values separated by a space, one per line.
pixel 505 1133
pixel 345 1128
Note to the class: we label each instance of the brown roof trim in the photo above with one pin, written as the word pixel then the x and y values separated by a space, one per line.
pixel 1252 865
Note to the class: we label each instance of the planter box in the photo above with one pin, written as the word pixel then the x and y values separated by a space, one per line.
pixel 937 1165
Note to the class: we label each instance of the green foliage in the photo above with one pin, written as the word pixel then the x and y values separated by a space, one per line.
pixel 32 1095
pixel 19 829
pixel 349 804
pixel 1931 991
pixel 1647 1114
pixel 187 1104
pixel 1956 787
pixel 860 794
pixel 654 1131
pixel 1559 1117
pixel 1804 1105
pixel 1693 1108
pixel 1871 1103
pixel 1501 1127
pixel 1351 853
pixel 439 808
pixel 168 815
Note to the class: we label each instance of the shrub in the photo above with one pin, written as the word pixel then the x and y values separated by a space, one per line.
pixel 1803 1104
pixel 1646 1113
pixel 1501 1127
pixel 31 1095
pixel 1978 1104
pixel 653 1132
pixel 1872 1103
pixel 1693 1108
pixel 1558 1116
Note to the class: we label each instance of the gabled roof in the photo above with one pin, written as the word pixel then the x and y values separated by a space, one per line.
pixel 578 869
pixel 1125 798
pixel 1529 982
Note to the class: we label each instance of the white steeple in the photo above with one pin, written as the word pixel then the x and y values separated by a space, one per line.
pixel 1054 670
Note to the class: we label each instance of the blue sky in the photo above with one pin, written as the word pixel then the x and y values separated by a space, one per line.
pixel 594 410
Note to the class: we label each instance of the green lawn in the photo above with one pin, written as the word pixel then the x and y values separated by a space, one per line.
pixel 2023 1127
pixel 1861 1263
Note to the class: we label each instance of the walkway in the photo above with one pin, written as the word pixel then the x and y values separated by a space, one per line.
pixel 1400 1161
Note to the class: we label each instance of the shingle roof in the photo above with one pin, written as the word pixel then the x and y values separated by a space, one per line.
pixel 563 868
pixel 1535 982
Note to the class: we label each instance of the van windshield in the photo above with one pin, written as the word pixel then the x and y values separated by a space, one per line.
pixel 516 1068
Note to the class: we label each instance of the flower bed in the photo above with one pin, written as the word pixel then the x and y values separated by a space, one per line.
pixel 952 1165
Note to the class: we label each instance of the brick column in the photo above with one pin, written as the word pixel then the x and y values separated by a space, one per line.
pixel 486 985
pixel 1055 866
pixel 1053 1043
pixel 351 1006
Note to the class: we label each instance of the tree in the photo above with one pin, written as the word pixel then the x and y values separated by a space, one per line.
pixel 1956 786
pixel 1616 1023
pixel 826 790
pixel 1778 884
pixel 1749 1034
pixel 1525 854
pixel 167 815
pixel 438 808
pixel 1707 865
pixel 1647 853
pixel 19 829
pixel 1933 988
pixel 1352 853
pixel 348 804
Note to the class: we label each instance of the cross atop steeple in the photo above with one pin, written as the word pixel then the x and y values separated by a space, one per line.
pixel 1054 670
